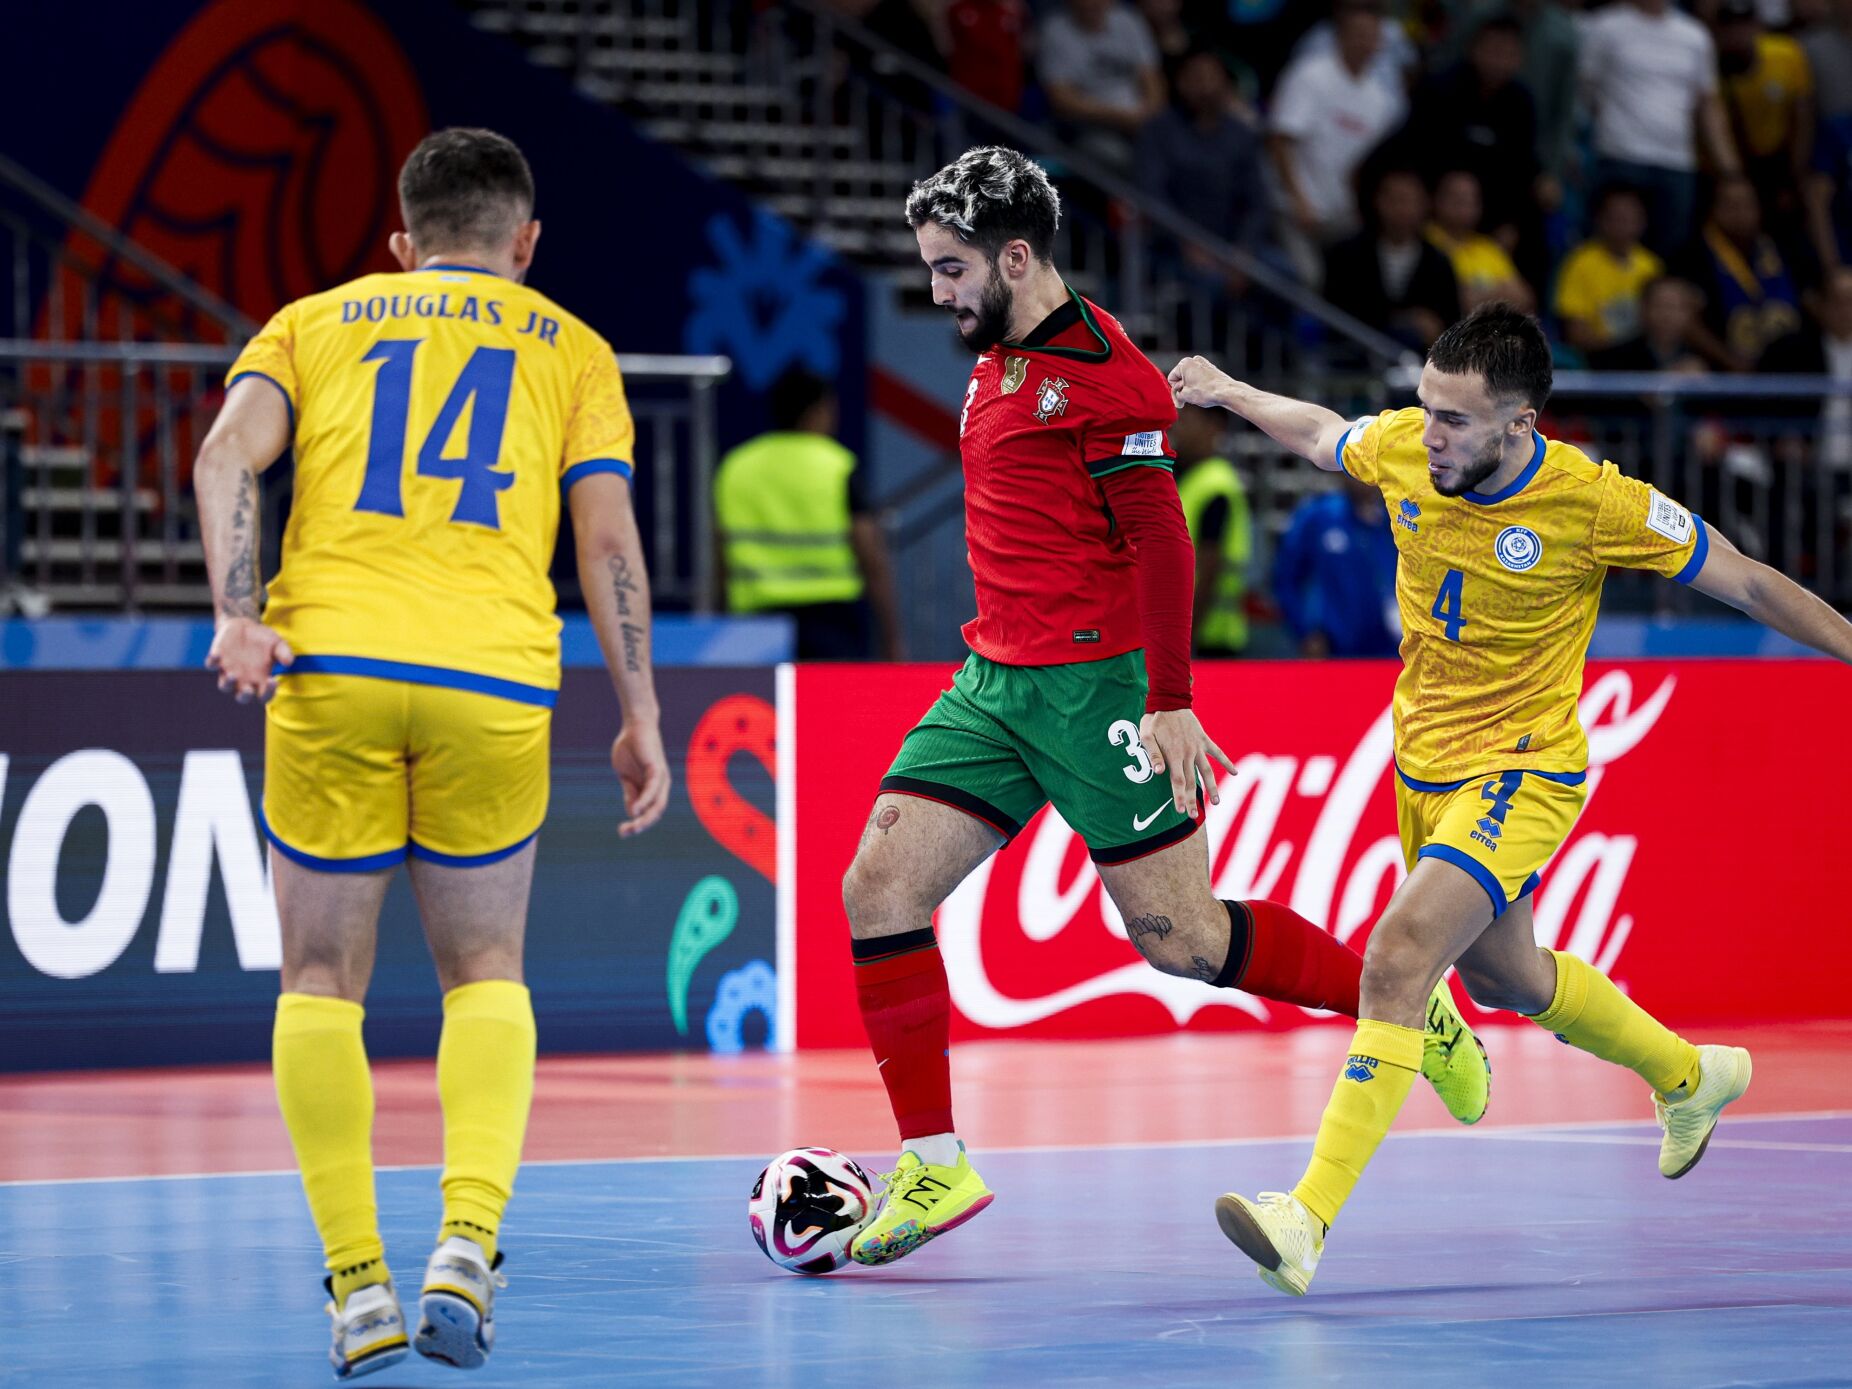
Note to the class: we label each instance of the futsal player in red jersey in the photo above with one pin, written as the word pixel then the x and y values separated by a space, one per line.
pixel 1077 690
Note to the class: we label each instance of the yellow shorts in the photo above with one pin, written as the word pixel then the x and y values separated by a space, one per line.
pixel 1502 829
pixel 359 772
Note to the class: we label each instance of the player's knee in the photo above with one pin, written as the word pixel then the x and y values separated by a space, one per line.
pixel 1176 945
pixel 1395 967
pixel 872 896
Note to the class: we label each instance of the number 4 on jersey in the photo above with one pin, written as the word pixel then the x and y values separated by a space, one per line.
pixel 486 379
pixel 1450 603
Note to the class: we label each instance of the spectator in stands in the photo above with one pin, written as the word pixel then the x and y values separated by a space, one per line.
pixel 1215 504
pixel 1329 110
pixel 1477 117
pixel 1825 351
pixel 1828 191
pixel 1668 310
pixel 1749 297
pixel 986 39
pixel 1101 69
pixel 1397 61
pixel 1598 291
pixel 1203 157
pixel 1484 271
pixel 1827 42
pixel 1649 72
pixel 796 532
pixel 1768 91
pixel 1334 575
pixel 1550 44
pixel 1389 275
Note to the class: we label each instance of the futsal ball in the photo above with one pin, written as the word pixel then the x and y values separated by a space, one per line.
pixel 807 1206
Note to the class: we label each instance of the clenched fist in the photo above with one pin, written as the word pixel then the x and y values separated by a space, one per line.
pixel 1198 381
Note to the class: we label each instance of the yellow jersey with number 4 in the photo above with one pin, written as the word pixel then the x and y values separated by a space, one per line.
pixel 437 419
pixel 1499 594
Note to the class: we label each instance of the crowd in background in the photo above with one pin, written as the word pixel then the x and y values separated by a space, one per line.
pixel 1670 187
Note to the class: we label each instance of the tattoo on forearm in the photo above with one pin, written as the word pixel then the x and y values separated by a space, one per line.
pixel 623 584
pixel 1144 929
pixel 240 597
pixel 634 637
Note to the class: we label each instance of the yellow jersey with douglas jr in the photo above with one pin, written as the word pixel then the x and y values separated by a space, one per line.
pixel 437 418
pixel 1499 594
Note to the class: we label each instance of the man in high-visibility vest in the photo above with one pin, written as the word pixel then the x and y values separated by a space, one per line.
pixel 796 533
pixel 1216 506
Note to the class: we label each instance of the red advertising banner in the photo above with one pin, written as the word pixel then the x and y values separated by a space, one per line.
pixel 1701 875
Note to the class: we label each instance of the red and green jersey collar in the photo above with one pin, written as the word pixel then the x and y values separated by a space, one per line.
pixel 1077 313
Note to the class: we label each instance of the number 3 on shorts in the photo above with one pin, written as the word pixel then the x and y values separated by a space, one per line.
pixel 1124 733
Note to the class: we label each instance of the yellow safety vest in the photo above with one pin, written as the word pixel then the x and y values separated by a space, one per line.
pixel 782 504
pixel 1224 627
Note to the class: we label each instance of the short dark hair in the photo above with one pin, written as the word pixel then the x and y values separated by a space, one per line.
pixel 1505 346
pixel 990 196
pixel 794 395
pixel 1608 192
pixel 1499 24
pixel 465 188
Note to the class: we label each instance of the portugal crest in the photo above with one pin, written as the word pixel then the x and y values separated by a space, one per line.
pixel 1013 372
pixel 1051 400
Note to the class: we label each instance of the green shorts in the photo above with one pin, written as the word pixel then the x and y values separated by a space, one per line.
pixel 1006 740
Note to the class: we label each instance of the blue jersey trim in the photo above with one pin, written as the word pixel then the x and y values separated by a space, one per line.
pixel 288 404
pixel 411 674
pixel 471 860
pixel 1563 778
pixel 368 863
pixel 579 471
pixel 1530 885
pixel 1482 875
pixel 1342 440
pixel 1699 552
pixel 458 265
pixel 1517 484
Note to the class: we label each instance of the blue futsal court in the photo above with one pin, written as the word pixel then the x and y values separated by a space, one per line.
pixel 1513 1256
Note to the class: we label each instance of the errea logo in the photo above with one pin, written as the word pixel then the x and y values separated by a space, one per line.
pixel 1405 515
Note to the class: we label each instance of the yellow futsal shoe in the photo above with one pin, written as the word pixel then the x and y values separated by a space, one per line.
pixel 923 1201
pixel 1278 1233
pixel 1723 1075
pixel 1454 1060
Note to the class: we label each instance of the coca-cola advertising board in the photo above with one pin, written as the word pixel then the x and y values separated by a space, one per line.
pixel 1702 875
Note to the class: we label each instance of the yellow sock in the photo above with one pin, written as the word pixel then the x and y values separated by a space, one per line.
pixel 1384 1060
pixel 485 1074
pixel 326 1094
pixel 1589 1013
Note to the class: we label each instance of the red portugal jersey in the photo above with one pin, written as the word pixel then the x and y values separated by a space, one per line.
pixel 1043 420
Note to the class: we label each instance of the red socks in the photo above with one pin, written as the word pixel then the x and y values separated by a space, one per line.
pixel 907 1008
pixel 1273 952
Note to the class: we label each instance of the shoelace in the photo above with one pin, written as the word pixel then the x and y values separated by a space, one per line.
pixel 1282 1198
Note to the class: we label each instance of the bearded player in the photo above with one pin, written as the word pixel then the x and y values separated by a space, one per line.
pixel 441 418
pixel 1085 580
pixel 1504 539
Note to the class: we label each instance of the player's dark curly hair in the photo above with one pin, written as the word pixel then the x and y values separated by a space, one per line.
pixel 1503 345
pixel 465 189
pixel 990 196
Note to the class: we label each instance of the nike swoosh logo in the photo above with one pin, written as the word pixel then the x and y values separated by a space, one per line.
pixel 1139 824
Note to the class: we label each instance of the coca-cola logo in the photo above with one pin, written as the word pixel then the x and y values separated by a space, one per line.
pixel 1031 934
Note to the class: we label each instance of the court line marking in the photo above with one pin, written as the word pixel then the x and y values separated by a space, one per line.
pixel 1582 1131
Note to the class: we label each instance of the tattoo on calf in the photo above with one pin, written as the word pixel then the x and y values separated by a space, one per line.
pixel 1202 969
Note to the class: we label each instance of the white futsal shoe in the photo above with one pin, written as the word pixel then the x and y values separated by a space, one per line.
pixel 456 1314
pixel 369 1332
pixel 1723 1075
pixel 1278 1233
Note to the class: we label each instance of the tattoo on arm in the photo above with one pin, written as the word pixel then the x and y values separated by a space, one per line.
pixel 624 589
pixel 241 597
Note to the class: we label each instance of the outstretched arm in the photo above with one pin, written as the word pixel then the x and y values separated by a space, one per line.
pixel 1772 599
pixel 616 588
pixel 250 434
pixel 1311 431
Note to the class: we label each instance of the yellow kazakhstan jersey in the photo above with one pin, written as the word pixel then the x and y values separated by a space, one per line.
pixel 1499 594
pixel 438 417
